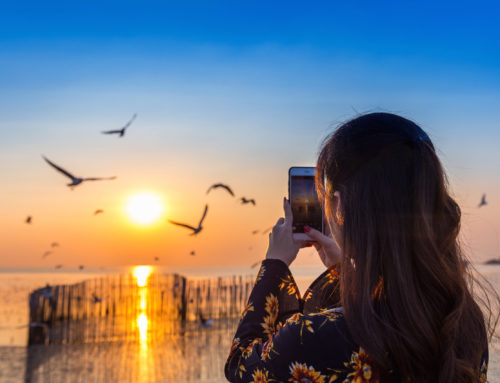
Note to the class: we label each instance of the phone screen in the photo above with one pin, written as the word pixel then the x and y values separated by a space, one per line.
pixel 306 208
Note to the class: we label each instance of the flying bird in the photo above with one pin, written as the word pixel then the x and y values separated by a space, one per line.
pixel 195 230
pixel 255 232
pixel 28 219
pixel 58 266
pixel 54 244
pixel 80 267
pixel 244 201
pixel 121 132
pixel 223 186
pixel 98 211
pixel 157 259
pixel 75 180
pixel 483 201
pixel 46 254
pixel 192 253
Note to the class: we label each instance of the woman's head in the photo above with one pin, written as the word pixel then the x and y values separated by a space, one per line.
pixel 403 289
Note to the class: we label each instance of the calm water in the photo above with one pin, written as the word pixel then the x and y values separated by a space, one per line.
pixel 197 356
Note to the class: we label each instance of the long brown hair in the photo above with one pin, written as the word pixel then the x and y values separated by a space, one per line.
pixel 405 284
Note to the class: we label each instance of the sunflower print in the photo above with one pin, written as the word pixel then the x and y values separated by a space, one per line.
pixel 260 376
pixel 248 307
pixel 308 295
pixel 301 373
pixel 300 319
pixel 266 349
pixel 236 342
pixel 261 350
pixel 247 351
pixel 269 326
pixel 332 277
pixel 289 285
pixel 329 317
pixel 363 370
pixel 241 370
pixel 260 275
pixel 272 306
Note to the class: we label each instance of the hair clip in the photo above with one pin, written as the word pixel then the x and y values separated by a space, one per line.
pixel 418 138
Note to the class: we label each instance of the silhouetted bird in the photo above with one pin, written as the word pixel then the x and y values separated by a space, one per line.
pixel 54 244
pixel 80 267
pixel 195 230
pixel 28 219
pixel 95 298
pixel 98 211
pixel 75 180
pixel 205 322
pixel 121 132
pixel 58 266
pixel 223 186
pixel 192 253
pixel 157 259
pixel 255 232
pixel 46 254
pixel 245 201
pixel 483 201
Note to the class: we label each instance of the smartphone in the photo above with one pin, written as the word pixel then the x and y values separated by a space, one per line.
pixel 306 208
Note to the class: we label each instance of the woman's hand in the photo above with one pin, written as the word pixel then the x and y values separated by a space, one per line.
pixel 282 246
pixel 328 250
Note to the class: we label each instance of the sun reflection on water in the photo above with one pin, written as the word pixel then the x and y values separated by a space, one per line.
pixel 142 273
pixel 142 324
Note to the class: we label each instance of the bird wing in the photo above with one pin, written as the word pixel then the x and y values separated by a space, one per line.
pixel 210 188
pixel 252 201
pixel 59 169
pixel 130 122
pixel 182 224
pixel 203 216
pixel 111 131
pixel 98 178
pixel 228 189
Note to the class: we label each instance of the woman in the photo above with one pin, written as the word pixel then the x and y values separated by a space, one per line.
pixel 395 304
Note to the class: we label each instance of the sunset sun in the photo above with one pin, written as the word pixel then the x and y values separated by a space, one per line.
pixel 144 208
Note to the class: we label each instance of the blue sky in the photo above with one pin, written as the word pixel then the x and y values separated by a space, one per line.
pixel 237 87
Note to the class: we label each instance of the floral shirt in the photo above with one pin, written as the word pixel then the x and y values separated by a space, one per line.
pixel 283 337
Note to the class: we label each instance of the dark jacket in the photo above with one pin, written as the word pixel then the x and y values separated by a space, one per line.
pixel 282 337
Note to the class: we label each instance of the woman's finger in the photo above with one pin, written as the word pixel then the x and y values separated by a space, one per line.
pixel 279 222
pixel 288 212
pixel 317 236
pixel 305 244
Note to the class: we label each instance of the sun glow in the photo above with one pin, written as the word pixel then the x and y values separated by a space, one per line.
pixel 141 273
pixel 145 208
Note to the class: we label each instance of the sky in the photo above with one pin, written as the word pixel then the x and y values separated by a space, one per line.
pixel 225 91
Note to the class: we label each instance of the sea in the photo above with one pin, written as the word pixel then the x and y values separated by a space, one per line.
pixel 196 355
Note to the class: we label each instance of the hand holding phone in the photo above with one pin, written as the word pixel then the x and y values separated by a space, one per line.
pixel 282 246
